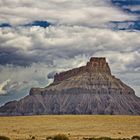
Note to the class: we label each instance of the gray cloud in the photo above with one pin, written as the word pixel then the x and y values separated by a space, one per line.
pixel 37 45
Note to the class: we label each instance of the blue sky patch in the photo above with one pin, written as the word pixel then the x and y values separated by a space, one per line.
pixel 125 25
pixel 43 24
pixel 126 2
pixel 126 5
pixel 2 25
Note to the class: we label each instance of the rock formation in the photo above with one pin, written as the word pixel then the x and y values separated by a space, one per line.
pixel 90 89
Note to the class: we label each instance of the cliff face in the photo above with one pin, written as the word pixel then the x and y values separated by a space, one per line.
pixel 90 89
pixel 95 65
pixel 95 76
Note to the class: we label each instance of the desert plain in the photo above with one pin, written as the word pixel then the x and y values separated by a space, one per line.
pixel 76 127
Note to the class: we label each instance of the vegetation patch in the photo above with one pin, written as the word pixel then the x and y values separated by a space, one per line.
pixel 49 138
pixel 4 138
pixel 101 138
pixel 135 138
pixel 65 137
pixel 32 137
pixel 108 138
pixel 58 137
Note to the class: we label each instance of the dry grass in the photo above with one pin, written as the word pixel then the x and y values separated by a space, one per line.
pixel 76 127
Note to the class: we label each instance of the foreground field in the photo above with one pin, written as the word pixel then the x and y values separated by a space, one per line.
pixel 76 127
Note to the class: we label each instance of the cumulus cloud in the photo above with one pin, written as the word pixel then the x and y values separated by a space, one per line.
pixel 3 86
pixel 24 46
pixel 68 12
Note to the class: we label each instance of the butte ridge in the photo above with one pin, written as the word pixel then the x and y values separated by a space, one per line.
pixel 90 89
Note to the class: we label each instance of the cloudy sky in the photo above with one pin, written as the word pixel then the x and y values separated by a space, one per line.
pixel 41 37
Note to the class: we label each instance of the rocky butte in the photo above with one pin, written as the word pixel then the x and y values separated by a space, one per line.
pixel 90 89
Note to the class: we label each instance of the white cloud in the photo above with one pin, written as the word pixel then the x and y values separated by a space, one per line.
pixel 35 44
pixel 68 12
pixel 2 86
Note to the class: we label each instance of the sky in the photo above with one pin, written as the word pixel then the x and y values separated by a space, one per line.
pixel 41 37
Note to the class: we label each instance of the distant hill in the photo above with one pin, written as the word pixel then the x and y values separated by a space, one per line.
pixel 90 89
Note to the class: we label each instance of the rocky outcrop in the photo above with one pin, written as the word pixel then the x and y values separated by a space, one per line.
pixel 90 89
pixel 95 65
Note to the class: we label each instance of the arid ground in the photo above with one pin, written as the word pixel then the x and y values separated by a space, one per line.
pixel 76 127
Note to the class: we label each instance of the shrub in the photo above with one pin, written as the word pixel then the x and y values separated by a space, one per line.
pixel 49 138
pixel 60 137
pixel 101 138
pixel 135 138
pixel 92 139
pixel 4 138
pixel 104 138
pixel 33 138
